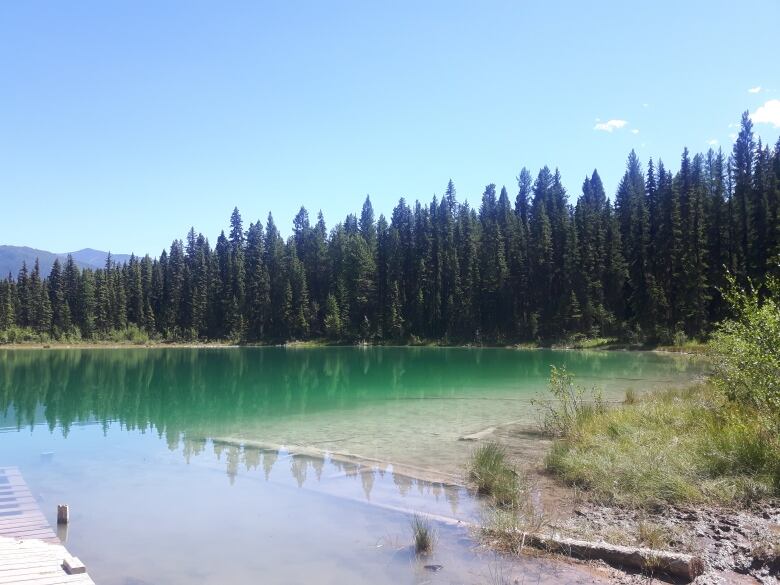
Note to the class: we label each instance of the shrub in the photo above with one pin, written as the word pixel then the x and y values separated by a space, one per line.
pixel 747 347
pixel 22 335
pixel 132 334
pixel 569 405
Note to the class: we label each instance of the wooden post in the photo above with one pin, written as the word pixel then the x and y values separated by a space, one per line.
pixel 63 514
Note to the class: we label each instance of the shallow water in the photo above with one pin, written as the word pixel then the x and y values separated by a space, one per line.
pixel 157 451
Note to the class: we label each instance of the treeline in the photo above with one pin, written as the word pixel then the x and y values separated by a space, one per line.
pixel 647 266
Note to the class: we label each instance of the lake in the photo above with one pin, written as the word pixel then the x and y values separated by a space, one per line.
pixel 283 465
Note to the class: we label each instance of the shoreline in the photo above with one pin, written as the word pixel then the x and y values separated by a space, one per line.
pixel 698 351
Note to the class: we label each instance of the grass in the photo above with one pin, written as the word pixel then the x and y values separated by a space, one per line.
pixel 423 535
pixel 676 447
pixel 512 512
pixel 651 535
pixel 493 475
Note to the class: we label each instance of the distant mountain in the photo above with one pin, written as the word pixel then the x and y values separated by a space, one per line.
pixel 12 257
pixel 95 258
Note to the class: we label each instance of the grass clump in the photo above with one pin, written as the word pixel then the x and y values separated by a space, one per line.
pixel 651 535
pixel 493 475
pixel 423 535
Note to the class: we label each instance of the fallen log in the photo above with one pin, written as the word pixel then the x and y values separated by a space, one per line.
pixel 680 565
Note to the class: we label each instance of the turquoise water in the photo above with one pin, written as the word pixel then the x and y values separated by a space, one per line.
pixel 179 464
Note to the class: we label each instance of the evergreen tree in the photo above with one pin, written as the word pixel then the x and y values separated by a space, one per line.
pixel 742 173
pixel 646 267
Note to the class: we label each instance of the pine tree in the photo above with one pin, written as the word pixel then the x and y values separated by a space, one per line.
pixel 332 318
pixel 61 316
pixel 450 289
pixel 631 207
pixel 7 304
pixel 649 266
pixel 742 173
pixel 87 304
pixel 237 277
pixel 492 268
pixel 359 278
pixel 24 297
pixel 543 257
pixel 258 284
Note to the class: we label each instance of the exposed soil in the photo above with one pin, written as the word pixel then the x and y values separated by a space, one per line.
pixel 737 546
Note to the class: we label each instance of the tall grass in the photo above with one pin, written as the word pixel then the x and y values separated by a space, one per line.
pixel 493 475
pixel 423 536
pixel 717 442
pixel 681 446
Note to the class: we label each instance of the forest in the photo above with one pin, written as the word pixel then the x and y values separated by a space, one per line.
pixel 646 265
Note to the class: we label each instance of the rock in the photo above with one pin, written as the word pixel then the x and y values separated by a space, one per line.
pixel 434 568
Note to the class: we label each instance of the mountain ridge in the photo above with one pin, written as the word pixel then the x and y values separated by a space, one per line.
pixel 12 258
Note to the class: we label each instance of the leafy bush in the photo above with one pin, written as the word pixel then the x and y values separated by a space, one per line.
pixel 130 334
pixel 22 335
pixel 747 348
pixel 569 405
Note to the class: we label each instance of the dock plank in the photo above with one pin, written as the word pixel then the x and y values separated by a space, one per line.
pixel 30 552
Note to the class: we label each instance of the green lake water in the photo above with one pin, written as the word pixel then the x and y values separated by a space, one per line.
pixel 178 468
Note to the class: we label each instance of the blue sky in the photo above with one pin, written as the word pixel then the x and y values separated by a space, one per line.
pixel 123 123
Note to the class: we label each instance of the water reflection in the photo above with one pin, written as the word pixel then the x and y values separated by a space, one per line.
pixel 331 473
pixel 197 392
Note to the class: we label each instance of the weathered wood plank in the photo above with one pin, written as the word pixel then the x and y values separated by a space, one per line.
pixel 30 552
pixel 21 521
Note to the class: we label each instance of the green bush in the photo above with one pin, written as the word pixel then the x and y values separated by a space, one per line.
pixel 747 348
pixel 569 404
pixel 130 334
pixel 22 335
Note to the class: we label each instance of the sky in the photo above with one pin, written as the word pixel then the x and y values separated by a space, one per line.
pixel 124 123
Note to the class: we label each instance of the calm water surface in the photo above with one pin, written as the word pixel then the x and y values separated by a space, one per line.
pixel 175 461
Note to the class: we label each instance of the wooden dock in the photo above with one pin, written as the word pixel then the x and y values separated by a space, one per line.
pixel 30 552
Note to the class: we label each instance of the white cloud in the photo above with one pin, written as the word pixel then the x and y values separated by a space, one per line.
pixel 609 125
pixel 712 142
pixel 645 105
pixel 635 131
pixel 733 136
pixel 769 113
pixel 756 89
